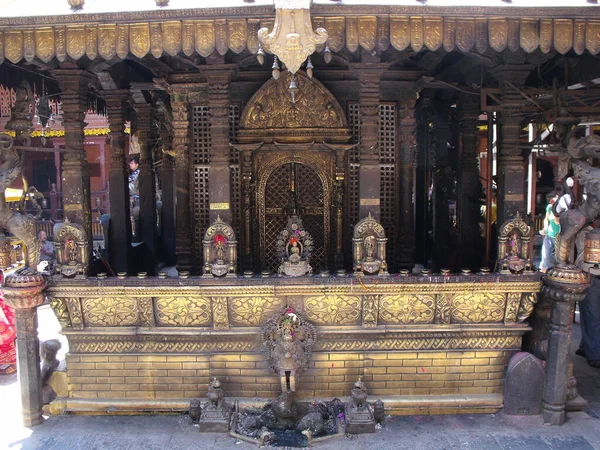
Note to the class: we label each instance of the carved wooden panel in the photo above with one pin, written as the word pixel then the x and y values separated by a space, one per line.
pixel 406 309
pixel 183 311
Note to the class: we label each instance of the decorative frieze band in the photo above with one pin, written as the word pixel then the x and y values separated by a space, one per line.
pixel 207 36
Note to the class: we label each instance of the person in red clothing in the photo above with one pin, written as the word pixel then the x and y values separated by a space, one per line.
pixel 8 334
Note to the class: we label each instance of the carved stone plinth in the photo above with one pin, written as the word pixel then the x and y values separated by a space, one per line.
pixel 564 284
pixel 359 417
pixel 24 294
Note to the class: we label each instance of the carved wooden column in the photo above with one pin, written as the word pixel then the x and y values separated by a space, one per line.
pixel 24 294
pixel 407 131
pixel 146 180
pixel 369 76
pixel 218 78
pixel 120 222
pixel 181 125
pixel 469 188
pixel 511 171
pixel 74 84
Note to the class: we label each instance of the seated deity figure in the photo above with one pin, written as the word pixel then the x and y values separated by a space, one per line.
pixel 369 247
pixel 71 249
pixel 294 245
pixel 514 242
pixel 220 250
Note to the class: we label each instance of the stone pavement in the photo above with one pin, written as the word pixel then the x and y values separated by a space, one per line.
pixel 469 432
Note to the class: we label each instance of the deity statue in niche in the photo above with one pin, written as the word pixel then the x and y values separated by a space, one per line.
pixel 369 247
pixel 220 250
pixel 514 246
pixel 72 249
pixel 294 246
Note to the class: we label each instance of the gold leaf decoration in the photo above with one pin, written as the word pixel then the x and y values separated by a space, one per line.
pixel 498 32
pixel 449 34
pixel 221 42
pixel 563 35
pixel 546 35
pixel 237 35
pixel 383 33
pixel 335 27
pixel 187 38
pixel 478 308
pixel 333 309
pixel 481 37
pixel 107 41
pixel 13 44
pixel 220 313
pixel 183 311
pixel 529 35
pixel 253 311
pixel 122 41
pixel 416 33
pixel 91 42
pixel 75 42
pixel 61 43
pixel 28 45
pixel 156 40
pixel 171 37
pixel 109 311
pixel 1 47
pixel 44 44
pixel 434 29
pixel 351 33
pixel 513 35
pixel 367 32
pixel 139 39
pixel 253 25
pixel 592 37
pixel 205 37
pixel 465 34
pixel 579 37
pixel 400 32
pixel 405 309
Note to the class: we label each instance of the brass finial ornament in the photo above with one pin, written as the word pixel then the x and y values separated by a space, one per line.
pixel 76 4
pixel 292 39
pixel 162 3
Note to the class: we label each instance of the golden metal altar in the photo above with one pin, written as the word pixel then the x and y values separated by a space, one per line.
pixel 423 344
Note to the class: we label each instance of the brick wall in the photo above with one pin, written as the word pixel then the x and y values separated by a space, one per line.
pixel 247 375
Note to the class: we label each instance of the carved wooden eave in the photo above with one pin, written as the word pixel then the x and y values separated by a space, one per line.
pixel 209 30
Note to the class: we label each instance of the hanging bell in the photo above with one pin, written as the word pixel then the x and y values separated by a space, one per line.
pixel 309 68
pixel 293 88
pixel 275 68
pixel 260 55
pixel 327 54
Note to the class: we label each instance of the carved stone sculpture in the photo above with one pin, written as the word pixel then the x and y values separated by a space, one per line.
pixel 220 250
pixel 368 247
pixel 294 245
pixel 288 339
pixel 359 417
pixel 50 363
pixel 72 249
pixel 216 413
pixel 514 246
pixel 195 411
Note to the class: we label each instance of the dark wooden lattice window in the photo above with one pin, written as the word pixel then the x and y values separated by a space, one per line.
pixel 235 171
pixel 201 143
pixel 388 177
pixel 353 168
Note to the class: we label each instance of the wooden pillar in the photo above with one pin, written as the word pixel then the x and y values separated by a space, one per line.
pixel 181 125
pixel 75 175
pixel 369 76
pixel 120 222
pixel 408 162
pixel 147 185
pixel 469 187
pixel 218 77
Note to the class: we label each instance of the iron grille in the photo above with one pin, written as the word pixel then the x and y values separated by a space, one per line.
pixel 388 177
pixel 201 141
pixel 235 184
pixel 353 170
pixel 201 205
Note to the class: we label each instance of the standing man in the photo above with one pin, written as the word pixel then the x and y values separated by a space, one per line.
pixel 550 232
pixel 134 194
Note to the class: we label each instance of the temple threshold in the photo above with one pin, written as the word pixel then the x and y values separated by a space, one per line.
pixel 424 344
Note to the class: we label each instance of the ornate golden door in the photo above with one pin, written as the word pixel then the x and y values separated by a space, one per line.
pixel 294 186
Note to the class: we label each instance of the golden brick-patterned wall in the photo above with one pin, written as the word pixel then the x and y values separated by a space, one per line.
pixel 247 375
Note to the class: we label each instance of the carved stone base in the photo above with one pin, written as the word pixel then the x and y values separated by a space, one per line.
pixel 359 421
pixel 215 420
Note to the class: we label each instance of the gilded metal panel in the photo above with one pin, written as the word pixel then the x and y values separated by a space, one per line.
pixel 237 31
pixel 592 37
pixel 563 35
pixel 76 42
pixel 449 34
pixel 205 37
pixel 146 312
pixel 336 27
pixel 220 313
pixel 333 309
pixel 156 40
pixel 367 32
pixel 28 45
pixel 13 46
pixel 513 300
pixel 351 33
pixel 221 42
pixel 110 311
pixel 434 32
pixel 44 44
pixel 579 37
pixel 498 33
pixel 61 43
pixel 443 306
pixel 253 27
pixel 546 35
pixel 465 34
pixel 253 311
pixel 139 39
pixel 183 311
pixel 478 307
pixel 107 41
pixel 187 38
pixel 406 309
pixel 74 306
pixel 513 34
pixel 171 37
pixel 400 32
pixel 91 42
pixel 122 41
pixel 529 35
pixel 370 311
pixel 481 37
pixel 383 33
pixel 1 47
pixel 416 33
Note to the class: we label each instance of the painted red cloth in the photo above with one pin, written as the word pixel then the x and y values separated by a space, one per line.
pixel 8 333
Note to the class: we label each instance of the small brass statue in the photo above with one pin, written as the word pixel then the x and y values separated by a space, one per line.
pixel 72 249
pixel 220 250
pixel 368 246
pixel 514 246
pixel 294 245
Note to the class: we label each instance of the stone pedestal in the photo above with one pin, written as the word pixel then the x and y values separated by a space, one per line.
pixel 25 294
pixel 564 284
